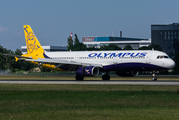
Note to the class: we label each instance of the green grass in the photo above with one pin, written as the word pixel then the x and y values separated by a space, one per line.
pixel 79 102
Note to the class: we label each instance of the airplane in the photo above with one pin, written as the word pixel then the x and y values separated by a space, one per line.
pixel 91 63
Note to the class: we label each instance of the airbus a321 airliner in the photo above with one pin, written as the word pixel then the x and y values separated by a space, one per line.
pixel 90 63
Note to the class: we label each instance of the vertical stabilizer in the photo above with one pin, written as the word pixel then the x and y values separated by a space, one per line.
pixel 34 49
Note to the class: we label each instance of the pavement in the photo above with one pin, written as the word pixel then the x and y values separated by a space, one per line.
pixel 91 82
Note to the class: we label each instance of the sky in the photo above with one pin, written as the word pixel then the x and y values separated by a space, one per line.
pixel 53 20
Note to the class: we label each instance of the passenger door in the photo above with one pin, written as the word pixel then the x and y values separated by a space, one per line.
pixel 148 57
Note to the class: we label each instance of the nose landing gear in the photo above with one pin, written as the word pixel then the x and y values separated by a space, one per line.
pixel 154 78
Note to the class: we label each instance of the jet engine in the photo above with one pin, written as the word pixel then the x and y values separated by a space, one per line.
pixel 127 74
pixel 88 71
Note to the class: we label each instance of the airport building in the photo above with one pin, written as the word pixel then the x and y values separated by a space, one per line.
pixel 46 48
pixel 120 41
pixel 167 36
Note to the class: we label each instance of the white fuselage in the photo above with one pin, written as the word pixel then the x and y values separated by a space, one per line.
pixel 118 60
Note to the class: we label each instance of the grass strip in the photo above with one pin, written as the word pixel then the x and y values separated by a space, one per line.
pixel 79 102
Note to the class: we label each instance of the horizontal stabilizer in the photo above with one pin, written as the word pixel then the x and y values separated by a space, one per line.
pixel 18 56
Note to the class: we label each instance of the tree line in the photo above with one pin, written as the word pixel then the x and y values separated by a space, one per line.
pixel 7 62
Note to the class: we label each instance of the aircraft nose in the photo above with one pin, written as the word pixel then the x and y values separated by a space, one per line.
pixel 171 64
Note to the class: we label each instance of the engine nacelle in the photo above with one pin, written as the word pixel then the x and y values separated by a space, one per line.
pixel 127 74
pixel 88 71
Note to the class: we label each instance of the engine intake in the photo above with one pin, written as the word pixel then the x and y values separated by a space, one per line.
pixel 88 71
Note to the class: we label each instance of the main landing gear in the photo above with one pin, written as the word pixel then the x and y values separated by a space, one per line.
pixel 106 76
pixel 154 78
pixel 79 77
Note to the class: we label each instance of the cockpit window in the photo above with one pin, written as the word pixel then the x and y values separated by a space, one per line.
pixel 162 56
pixel 165 56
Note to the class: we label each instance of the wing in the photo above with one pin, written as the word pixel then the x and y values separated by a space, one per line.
pixel 59 63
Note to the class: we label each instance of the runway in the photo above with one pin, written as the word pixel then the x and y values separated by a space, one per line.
pixel 90 82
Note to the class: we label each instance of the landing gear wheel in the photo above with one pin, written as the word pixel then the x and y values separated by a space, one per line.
pixel 105 77
pixel 79 77
pixel 154 78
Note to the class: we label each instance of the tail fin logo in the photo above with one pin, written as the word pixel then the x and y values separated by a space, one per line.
pixel 33 46
pixel 31 42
